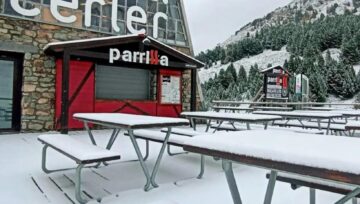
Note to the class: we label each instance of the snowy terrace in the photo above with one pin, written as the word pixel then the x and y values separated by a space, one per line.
pixel 22 180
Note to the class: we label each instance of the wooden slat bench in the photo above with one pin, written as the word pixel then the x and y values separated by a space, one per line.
pixel 82 153
pixel 298 181
pixel 177 139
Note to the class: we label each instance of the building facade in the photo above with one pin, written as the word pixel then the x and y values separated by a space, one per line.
pixel 28 75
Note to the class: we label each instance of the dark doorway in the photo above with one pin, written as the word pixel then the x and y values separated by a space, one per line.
pixel 10 91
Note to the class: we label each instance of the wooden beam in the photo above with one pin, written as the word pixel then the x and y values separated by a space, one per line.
pixel 65 93
pixel 193 89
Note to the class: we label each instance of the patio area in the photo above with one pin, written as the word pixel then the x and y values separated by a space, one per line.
pixel 23 181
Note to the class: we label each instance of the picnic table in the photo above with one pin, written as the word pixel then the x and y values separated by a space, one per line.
pixel 268 108
pixel 349 113
pixel 233 109
pixel 320 109
pixel 303 115
pixel 352 126
pixel 280 151
pixel 228 117
pixel 130 123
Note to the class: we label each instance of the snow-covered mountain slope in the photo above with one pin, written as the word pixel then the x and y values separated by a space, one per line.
pixel 298 11
pixel 263 59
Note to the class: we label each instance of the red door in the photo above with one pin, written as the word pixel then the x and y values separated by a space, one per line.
pixel 81 91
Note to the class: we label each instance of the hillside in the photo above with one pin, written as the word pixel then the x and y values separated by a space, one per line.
pixel 297 11
pixel 318 38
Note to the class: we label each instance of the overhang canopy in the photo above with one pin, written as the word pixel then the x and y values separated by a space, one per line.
pixel 98 48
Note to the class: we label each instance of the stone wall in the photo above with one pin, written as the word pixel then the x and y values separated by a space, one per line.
pixel 38 92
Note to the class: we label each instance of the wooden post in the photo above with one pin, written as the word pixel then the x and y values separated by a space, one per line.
pixel 193 89
pixel 65 93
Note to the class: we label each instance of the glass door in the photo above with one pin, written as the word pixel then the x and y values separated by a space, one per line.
pixel 10 93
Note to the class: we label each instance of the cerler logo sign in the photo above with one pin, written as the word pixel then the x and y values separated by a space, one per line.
pixel 135 14
pixel 151 57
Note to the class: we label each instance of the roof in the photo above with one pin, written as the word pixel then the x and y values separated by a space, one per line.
pixel 59 47
pixel 274 67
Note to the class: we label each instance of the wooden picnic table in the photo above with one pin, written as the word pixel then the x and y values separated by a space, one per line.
pixel 128 122
pixel 228 117
pixel 268 108
pixel 301 115
pixel 230 108
pixel 280 151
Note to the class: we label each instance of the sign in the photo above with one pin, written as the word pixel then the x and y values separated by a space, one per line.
pixel 151 57
pixel 298 84
pixel 277 86
pixel 170 90
pixel 134 14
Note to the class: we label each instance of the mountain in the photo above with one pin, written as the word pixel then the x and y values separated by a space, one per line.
pixel 298 11
pixel 318 38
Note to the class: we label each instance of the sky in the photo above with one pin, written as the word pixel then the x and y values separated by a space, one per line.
pixel 213 21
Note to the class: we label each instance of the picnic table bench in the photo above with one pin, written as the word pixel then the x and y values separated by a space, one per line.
pixel 130 123
pixel 352 126
pixel 280 151
pixel 306 115
pixel 337 128
pixel 228 117
pixel 82 153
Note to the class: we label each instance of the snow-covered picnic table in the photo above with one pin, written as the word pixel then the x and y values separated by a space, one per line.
pixel 269 108
pixel 280 151
pixel 228 117
pixel 349 113
pixel 304 115
pixel 320 109
pixel 230 108
pixel 128 122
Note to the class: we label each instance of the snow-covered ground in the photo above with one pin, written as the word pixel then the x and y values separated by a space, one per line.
pixel 22 177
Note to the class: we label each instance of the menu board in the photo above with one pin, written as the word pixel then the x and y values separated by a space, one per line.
pixel 276 87
pixel 170 90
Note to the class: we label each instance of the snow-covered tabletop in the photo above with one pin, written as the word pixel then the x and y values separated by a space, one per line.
pixel 129 121
pixel 303 114
pixel 318 151
pixel 231 116
pixel 273 108
pixel 348 113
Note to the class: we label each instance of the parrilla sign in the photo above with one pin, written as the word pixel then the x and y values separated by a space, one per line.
pixel 135 14
pixel 151 57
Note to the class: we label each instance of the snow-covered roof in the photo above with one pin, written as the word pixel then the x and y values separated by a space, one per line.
pixel 283 146
pixel 274 67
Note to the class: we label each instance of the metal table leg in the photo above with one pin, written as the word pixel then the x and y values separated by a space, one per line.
pixel 158 161
pixel 270 188
pixel 90 133
pixel 147 186
pixel 227 167
pixel 202 167
pixel 248 126
pixel 208 124
pixel 349 196
pixel 312 196
pixel 328 127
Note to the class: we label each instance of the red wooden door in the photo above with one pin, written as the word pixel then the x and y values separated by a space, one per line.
pixel 81 90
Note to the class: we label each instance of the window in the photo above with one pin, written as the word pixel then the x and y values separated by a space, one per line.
pixel 121 83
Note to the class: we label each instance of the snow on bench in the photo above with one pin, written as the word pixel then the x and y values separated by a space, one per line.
pixel 78 151
pixel 282 151
pixel 230 127
pixel 81 153
pixel 353 125
pixel 184 132
pixel 313 125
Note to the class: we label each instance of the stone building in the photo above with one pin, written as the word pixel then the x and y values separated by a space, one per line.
pixel 29 82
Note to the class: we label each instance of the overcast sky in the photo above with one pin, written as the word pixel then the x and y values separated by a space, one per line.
pixel 213 21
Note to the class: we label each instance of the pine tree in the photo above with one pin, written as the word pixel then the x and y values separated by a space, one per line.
pixel 232 71
pixel 242 80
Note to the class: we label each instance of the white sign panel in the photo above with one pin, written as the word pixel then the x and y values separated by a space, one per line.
pixel 170 90
pixel 298 84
